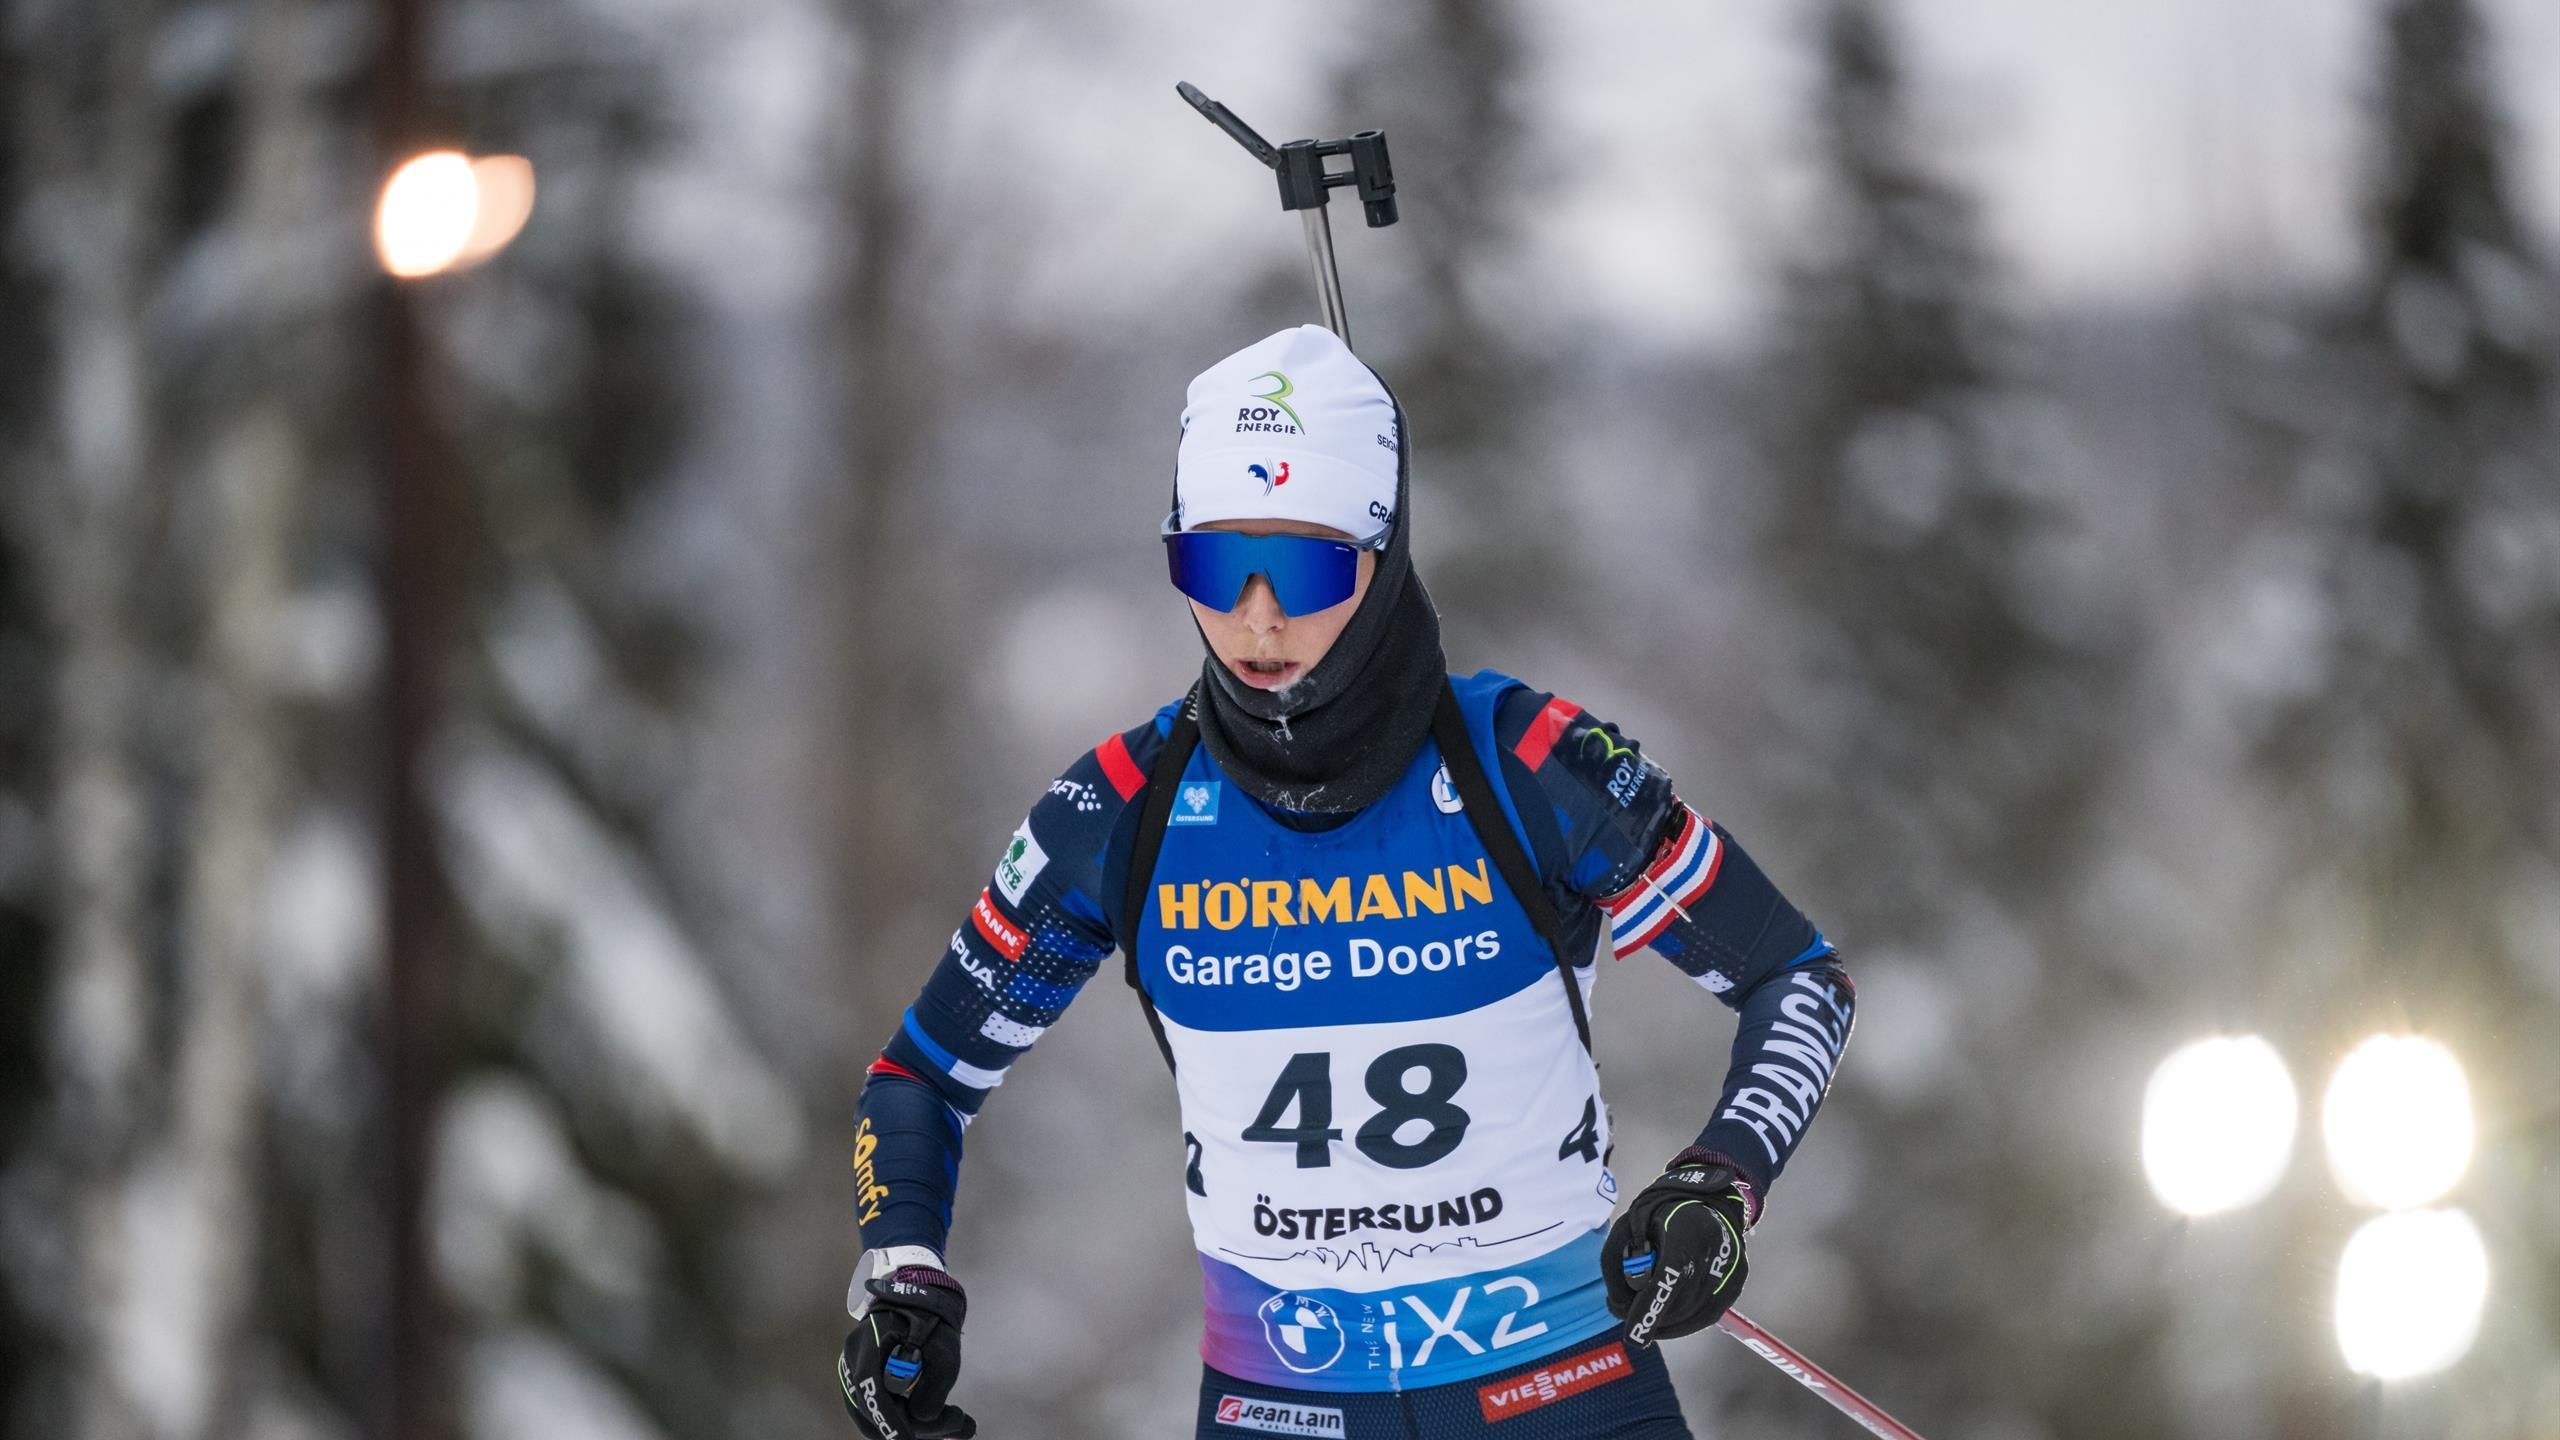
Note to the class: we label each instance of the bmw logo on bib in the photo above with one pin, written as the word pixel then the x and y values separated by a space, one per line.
pixel 1303 1331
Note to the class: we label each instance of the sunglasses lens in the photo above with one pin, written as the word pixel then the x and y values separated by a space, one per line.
pixel 1307 574
pixel 1208 567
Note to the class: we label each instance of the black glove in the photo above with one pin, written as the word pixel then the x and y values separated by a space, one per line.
pixel 903 1354
pixel 1674 1260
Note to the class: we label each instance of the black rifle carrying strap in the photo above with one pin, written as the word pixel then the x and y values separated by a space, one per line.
pixel 1475 793
pixel 1162 782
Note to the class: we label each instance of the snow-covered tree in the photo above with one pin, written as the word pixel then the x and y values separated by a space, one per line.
pixel 2419 519
pixel 1919 520
pixel 1431 304
pixel 1941 682
pixel 882 668
pixel 161 197
pixel 195 1226
pixel 2400 592
pixel 610 1115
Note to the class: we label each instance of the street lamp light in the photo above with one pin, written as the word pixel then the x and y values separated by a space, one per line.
pixel 445 210
pixel 2410 1290
pixel 2398 1122
pixel 2218 1122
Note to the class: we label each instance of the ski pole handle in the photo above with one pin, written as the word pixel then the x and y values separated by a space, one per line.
pixel 1814 1378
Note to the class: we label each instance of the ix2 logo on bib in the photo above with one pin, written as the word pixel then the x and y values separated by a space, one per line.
pixel 1303 1331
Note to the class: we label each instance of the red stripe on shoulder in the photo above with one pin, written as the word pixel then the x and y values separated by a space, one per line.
pixel 1545 731
pixel 886 1066
pixel 1124 774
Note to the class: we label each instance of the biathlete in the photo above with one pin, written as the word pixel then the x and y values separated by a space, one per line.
pixel 1361 900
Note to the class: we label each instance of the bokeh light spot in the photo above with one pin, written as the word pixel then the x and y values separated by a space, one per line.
pixel 444 210
pixel 2218 1121
pixel 2398 1122
pixel 2410 1290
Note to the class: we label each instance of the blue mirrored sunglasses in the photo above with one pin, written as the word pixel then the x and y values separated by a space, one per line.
pixel 1307 572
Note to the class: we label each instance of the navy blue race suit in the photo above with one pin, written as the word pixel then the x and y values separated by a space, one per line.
pixel 1395 1140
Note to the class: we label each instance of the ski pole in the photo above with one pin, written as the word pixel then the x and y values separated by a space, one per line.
pixel 1813 1377
pixel 1300 166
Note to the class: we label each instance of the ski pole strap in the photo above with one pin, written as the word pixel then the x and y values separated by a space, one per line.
pixel 1493 830
pixel 1162 781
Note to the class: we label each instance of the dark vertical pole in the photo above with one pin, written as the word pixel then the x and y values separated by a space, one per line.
pixel 417 524
pixel 873 676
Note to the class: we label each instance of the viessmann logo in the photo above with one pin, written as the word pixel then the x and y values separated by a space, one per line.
pixel 1007 937
pixel 1548 1384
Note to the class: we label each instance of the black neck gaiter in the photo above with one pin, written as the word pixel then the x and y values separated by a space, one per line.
pixel 1339 738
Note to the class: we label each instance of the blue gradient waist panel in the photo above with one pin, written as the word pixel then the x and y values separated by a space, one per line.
pixel 1402 1337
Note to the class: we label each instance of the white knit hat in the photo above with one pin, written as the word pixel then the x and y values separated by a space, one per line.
pixel 1293 427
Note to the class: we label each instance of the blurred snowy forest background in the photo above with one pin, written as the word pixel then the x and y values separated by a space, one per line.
pixel 2076 488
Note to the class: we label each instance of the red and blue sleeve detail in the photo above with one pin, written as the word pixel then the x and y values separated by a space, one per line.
pixel 1028 943
pixel 1616 844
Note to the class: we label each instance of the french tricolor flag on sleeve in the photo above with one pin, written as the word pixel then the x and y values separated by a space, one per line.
pixel 1673 883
